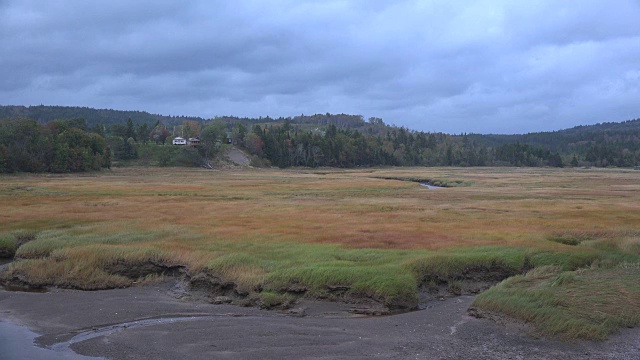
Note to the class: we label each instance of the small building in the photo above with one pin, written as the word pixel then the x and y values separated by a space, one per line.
pixel 194 141
pixel 179 141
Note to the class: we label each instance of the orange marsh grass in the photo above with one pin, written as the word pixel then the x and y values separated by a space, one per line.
pixel 350 208
pixel 263 229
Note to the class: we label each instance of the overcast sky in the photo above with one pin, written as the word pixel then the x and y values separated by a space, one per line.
pixel 486 66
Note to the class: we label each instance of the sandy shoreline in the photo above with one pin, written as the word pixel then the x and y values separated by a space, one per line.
pixel 443 331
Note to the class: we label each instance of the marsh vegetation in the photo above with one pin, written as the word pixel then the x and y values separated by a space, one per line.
pixel 566 241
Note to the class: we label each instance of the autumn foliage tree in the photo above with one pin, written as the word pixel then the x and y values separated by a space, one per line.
pixel 159 134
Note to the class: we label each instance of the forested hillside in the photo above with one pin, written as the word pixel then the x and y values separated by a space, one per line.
pixel 284 146
pixel 337 140
pixel 92 117
pixel 605 144
pixel 341 121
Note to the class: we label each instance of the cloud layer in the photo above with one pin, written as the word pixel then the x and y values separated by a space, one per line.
pixel 487 66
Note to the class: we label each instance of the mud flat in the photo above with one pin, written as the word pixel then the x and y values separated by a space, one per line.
pixel 155 322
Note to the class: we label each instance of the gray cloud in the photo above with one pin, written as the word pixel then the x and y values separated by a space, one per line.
pixel 453 66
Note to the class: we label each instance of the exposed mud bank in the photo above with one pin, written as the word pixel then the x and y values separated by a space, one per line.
pixel 473 279
pixel 213 289
pixel 210 287
pixel 470 281
pixel 17 283
pixel 20 283
pixel 144 269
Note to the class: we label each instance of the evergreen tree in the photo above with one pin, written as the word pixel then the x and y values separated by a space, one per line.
pixel 130 132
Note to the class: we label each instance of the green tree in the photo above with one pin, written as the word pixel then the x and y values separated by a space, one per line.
pixel 191 128
pixel 238 134
pixel 574 161
pixel 211 137
pixel 61 158
pixel 130 132
pixel 143 133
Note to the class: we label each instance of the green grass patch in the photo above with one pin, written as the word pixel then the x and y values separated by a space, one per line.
pixel 583 304
pixel 390 284
pixel 450 265
pixel 11 241
pixel 275 267
pixel 50 240
pixel 90 257
pixel 8 245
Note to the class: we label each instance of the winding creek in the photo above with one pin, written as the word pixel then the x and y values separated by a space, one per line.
pixel 431 186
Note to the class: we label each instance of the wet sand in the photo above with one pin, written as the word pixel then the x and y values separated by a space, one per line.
pixel 154 323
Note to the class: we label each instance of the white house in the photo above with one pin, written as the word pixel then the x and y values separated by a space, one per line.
pixel 179 141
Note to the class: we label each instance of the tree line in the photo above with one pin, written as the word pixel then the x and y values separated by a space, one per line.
pixel 58 146
pixel 605 144
pixel 44 113
pixel 309 141
pixel 284 146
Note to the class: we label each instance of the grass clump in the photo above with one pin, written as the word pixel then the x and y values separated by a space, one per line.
pixel 11 241
pixel 272 300
pixel 318 271
pixel 51 240
pixel 24 236
pixel 8 245
pixel 446 266
pixel 246 271
pixel 567 260
pixel 39 273
pixel 585 304
pixel 391 285
pixel 88 265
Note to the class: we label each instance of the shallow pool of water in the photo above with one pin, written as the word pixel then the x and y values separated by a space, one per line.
pixel 5 261
pixel 16 343
pixel 431 186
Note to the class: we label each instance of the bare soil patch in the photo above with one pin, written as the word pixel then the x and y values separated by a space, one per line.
pixel 238 157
